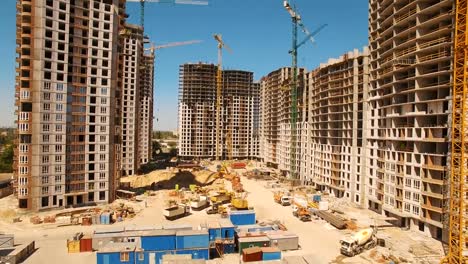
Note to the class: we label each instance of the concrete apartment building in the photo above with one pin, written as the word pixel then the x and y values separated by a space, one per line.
pixel 197 112
pixel 275 116
pixel 334 134
pixel 409 104
pixel 65 90
pixel 146 108
pixel 132 60
pixel 136 100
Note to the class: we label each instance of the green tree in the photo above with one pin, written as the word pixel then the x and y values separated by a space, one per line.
pixel 6 159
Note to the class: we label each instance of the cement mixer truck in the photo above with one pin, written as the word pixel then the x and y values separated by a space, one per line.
pixel 358 242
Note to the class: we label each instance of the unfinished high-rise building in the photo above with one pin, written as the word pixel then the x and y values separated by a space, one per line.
pixel 409 103
pixel 65 89
pixel 275 125
pixel 334 136
pixel 146 108
pixel 132 59
pixel 197 112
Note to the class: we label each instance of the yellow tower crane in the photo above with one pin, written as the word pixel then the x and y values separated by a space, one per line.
pixel 457 244
pixel 219 88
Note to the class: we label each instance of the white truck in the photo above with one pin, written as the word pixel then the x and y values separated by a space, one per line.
pixel 201 202
pixel 356 243
pixel 176 211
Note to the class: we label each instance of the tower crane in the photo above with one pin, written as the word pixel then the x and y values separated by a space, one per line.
pixel 458 213
pixel 296 22
pixel 183 2
pixel 219 84
pixel 173 44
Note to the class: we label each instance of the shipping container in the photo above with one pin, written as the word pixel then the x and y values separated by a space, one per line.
pixel 157 240
pixel 199 253
pixel 258 241
pixel 271 253
pixel 251 254
pixel 284 240
pixel 73 246
pixel 86 244
pixel 243 217
pixel 192 239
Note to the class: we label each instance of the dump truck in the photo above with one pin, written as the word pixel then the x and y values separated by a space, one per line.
pixel 176 211
pixel 282 198
pixel 199 203
pixel 356 243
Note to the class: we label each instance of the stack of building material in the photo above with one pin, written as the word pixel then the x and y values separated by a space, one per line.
pixel 49 219
pixel 238 165
pixel 35 220
pixel 333 219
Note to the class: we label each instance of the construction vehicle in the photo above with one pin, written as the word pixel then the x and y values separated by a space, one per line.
pixel 177 211
pixel 199 203
pixel 282 198
pixel 217 208
pixel 300 208
pixel 356 243
pixel 239 202
pixel 222 197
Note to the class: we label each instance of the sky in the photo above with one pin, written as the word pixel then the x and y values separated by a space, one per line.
pixel 257 31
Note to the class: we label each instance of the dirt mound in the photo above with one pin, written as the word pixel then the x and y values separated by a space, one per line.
pixel 168 179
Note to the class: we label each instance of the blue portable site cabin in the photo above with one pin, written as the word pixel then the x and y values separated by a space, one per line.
pixel 227 229
pixel 243 217
pixel 158 240
pixel 271 253
pixel 116 253
pixel 214 231
pixel 198 253
pixel 192 239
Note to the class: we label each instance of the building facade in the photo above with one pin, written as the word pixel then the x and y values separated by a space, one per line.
pixel 197 112
pixel 146 108
pixel 334 134
pixel 275 116
pixel 65 87
pixel 409 103
pixel 132 60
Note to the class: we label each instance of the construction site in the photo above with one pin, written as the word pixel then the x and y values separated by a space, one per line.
pixel 360 159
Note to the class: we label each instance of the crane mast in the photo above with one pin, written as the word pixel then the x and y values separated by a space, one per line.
pixel 457 247
pixel 296 22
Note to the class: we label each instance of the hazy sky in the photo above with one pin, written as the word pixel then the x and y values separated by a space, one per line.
pixel 258 32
